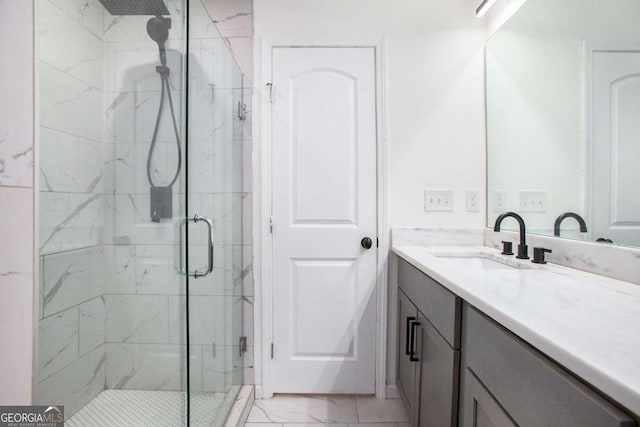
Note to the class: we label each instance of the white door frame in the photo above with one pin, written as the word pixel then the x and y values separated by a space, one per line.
pixel 263 250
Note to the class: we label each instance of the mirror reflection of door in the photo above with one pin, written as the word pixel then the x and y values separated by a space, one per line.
pixel 615 146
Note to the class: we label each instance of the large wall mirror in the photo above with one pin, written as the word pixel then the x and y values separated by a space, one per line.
pixel 563 118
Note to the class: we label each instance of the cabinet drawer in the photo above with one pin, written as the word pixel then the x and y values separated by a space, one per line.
pixel 532 389
pixel 440 306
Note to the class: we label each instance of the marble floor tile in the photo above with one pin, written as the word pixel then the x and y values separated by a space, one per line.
pixel 307 409
pixel 372 410
pixel 374 425
pixel 316 425
pixel 327 411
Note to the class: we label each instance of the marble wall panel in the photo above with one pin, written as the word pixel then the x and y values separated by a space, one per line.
pixel 71 278
pixel 58 343
pixel 137 319
pixel 146 366
pixel 70 221
pixel 16 86
pixel 91 325
pixel 66 44
pixel 68 104
pixel 75 385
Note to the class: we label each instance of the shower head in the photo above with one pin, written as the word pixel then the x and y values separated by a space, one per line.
pixel 158 29
pixel 135 7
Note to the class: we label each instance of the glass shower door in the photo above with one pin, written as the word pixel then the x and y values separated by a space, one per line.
pixel 215 120
pixel 112 195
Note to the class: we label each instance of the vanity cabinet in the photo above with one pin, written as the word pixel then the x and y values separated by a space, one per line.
pixel 505 382
pixel 429 319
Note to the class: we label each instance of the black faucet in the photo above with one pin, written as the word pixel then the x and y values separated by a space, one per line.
pixel 523 252
pixel 556 226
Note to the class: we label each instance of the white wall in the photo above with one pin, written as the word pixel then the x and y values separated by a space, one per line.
pixel 16 202
pixel 434 100
pixel 501 11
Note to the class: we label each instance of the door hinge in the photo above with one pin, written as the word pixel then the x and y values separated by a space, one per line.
pixel 271 225
pixel 377 243
pixel 270 88
pixel 272 350
pixel 242 111
pixel 242 345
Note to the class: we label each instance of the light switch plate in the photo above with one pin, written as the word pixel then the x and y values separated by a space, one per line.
pixel 533 201
pixel 438 200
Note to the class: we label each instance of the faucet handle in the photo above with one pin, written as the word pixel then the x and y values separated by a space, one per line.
pixel 538 255
pixel 507 248
pixel 523 252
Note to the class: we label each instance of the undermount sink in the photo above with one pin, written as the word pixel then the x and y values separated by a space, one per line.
pixel 483 262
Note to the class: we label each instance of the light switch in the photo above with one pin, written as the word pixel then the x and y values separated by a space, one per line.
pixel 438 200
pixel 533 201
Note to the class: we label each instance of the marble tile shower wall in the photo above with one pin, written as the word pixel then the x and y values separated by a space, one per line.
pixel 72 351
pixel 112 303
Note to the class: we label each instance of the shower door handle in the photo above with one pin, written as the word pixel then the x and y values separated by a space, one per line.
pixel 200 273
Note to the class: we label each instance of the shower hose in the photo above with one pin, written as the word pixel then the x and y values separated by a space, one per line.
pixel 163 70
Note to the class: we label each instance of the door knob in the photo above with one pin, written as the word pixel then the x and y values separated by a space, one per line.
pixel 366 242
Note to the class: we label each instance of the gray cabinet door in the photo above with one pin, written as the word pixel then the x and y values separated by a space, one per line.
pixel 532 389
pixel 439 368
pixel 407 372
pixel 481 408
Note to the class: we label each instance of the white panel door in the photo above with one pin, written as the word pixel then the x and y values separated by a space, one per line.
pixel 615 152
pixel 324 203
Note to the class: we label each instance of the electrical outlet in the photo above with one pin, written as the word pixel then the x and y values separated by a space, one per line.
pixel 438 200
pixel 533 201
pixel 473 201
pixel 499 198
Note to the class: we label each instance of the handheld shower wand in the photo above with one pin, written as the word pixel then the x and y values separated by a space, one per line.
pixel 158 29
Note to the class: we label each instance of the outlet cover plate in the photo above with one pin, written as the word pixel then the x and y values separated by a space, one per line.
pixel 473 201
pixel 499 200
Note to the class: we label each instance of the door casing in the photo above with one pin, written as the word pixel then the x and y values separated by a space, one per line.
pixel 262 237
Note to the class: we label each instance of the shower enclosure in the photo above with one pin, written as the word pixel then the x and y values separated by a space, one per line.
pixel 140 151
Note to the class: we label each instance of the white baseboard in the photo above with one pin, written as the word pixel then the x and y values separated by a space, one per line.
pixel 259 393
pixel 392 392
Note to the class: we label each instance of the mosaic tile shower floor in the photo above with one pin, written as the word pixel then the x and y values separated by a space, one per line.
pixel 142 408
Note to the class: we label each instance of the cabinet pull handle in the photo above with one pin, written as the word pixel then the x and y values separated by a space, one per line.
pixel 412 353
pixel 407 349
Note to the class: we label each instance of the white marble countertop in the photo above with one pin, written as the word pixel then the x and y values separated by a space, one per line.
pixel 589 324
